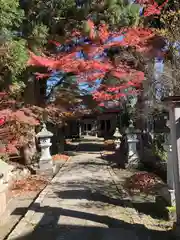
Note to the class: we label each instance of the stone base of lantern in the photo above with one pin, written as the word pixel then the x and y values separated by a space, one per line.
pixel 117 144
pixel 133 163
pixel 45 167
pixel 133 160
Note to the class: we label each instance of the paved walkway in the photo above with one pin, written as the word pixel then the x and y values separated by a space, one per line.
pixel 83 203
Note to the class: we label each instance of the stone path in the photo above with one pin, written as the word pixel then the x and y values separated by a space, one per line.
pixel 84 201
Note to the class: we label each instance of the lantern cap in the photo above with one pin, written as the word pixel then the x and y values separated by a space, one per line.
pixel 44 133
pixel 131 129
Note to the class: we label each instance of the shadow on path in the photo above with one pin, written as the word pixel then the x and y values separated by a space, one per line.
pixel 50 227
pixel 116 159
pixel 58 223
pixel 90 147
pixel 99 199
pixel 93 196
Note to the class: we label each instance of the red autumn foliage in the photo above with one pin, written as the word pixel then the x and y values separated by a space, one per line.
pixel 42 75
pixel 61 157
pixel 55 43
pixel 2 120
pixel 90 69
pixel 143 182
pixel 15 123
pixel 151 7
pixel 154 8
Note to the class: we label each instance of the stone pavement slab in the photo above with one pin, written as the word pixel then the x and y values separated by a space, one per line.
pixel 83 202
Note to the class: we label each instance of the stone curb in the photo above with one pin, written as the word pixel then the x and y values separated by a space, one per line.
pixel 134 214
pixel 41 197
pixel 26 219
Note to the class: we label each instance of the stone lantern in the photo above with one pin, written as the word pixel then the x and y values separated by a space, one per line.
pixel 117 136
pixel 132 140
pixel 45 161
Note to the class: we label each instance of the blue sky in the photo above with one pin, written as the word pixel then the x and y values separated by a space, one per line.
pixel 158 70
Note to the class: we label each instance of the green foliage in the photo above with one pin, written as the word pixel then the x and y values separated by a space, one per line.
pixel 38 38
pixel 17 57
pixel 18 34
pixel 60 17
pixel 158 148
pixel 17 89
pixel 13 60
pixel 10 17
pixel 13 49
pixel 171 209
pixel 119 13
pixel 53 14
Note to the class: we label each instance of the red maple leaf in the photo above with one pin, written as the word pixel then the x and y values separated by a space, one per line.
pixel 2 121
pixel 55 43
pixel 152 7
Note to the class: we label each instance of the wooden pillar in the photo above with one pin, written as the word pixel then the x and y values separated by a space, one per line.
pixel 174 117
pixel 174 114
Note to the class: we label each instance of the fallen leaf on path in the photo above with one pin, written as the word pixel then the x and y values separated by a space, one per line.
pixel 60 157
pixel 30 184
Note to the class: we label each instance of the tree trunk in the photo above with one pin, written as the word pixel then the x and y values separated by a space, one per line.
pixel 29 150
